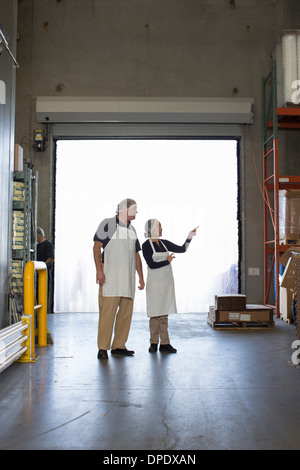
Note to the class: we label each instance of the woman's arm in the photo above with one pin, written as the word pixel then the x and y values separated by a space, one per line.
pixel 176 248
pixel 147 253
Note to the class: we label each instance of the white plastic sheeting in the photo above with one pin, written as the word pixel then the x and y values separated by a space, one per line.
pixel 183 183
pixel 289 63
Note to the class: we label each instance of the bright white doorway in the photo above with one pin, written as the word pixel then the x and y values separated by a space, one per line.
pixel 183 183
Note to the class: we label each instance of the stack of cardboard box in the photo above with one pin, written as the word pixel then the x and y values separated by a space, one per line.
pixel 233 309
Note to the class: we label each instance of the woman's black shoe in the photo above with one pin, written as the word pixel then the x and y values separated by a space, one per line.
pixel 102 354
pixel 153 348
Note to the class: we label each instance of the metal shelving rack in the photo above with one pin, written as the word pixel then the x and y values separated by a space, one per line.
pixel 274 118
pixel 29 208
pixel 26 206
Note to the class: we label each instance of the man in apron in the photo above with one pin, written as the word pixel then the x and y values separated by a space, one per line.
pixel 116 255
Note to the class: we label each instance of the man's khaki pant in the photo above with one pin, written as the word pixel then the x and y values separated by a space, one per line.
pixel 159 329
pixel 118 311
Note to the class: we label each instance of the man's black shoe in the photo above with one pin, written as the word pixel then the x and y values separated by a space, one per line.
pixel 167 348
pixel 102 354
pixel 122 352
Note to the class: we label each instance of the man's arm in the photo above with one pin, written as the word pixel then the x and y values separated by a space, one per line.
pixel 100 276
pixel 139 269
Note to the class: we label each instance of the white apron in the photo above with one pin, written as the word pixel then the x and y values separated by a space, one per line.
pixel 160 289
pixel 120 264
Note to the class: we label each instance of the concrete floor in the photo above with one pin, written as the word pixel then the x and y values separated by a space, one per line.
pixel 223 390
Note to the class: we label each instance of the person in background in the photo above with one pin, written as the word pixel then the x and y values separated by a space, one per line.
pixel 45 253
pixel 116 255
pixel 160 290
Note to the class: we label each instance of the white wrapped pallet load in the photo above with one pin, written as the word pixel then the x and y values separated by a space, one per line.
pixel 289 216
pixel 289 65
pixel 296 92
pixel 277 55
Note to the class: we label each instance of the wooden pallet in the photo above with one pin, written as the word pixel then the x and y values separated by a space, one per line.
pixel 240 325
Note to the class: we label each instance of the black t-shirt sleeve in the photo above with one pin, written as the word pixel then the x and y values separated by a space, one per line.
pixel 105 231
pixel 137 246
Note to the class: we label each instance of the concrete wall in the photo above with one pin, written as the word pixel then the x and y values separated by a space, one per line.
pixel 8 20
pixel 174 48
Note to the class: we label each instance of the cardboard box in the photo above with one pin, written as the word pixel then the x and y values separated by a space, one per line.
pixel 287 281
pixel 18 191
pixel 230 302
pixel 294 250
pixel 252 313
pixel 18 160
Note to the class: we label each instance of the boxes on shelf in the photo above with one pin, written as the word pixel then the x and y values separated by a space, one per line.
pixel 18 158
pixel 18 191
pixel 17 273
pixel 18 230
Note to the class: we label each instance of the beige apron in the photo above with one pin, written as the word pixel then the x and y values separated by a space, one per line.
pixel 120 264
pixel 160 289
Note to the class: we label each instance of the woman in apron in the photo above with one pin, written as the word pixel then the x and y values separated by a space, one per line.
pixel 160 290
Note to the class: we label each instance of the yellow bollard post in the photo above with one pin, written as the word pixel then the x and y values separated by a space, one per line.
pixel 42 314
pixel 30 268
pixel 29 300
